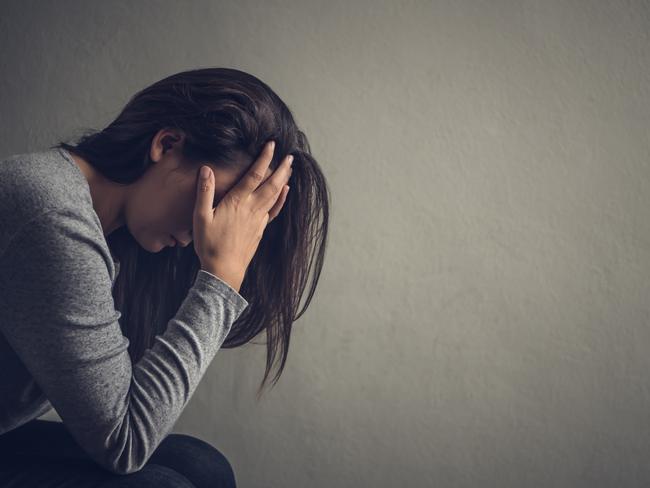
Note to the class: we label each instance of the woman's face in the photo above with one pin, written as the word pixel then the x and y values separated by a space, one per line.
pixel 161 202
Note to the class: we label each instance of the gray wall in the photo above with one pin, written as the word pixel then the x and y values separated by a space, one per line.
pixel 483 317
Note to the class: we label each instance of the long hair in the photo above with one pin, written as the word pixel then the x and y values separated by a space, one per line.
pixel 227 116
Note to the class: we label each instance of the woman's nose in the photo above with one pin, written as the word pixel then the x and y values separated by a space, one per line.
pixel 186 238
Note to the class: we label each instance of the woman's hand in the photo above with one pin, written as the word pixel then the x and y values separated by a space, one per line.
pixel 227 236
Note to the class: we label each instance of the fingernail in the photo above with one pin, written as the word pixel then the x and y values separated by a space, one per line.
pixel 290 161
pixel 205 172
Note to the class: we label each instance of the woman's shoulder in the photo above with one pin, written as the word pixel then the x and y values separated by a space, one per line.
pixel 42 178
pixel 38 182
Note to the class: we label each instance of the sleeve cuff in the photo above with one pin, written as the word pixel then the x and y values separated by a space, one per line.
pixel 222 288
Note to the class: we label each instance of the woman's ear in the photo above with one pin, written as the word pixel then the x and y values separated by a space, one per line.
pixel 165 140
pixel 168 142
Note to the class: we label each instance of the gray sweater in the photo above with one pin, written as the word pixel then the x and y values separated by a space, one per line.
pixel 60 340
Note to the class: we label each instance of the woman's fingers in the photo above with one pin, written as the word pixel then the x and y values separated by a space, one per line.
pixel 204 195
pixel 267 193
pixel 273 213
pixel 255 174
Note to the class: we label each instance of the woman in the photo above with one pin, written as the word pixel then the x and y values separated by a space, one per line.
pixel 109 315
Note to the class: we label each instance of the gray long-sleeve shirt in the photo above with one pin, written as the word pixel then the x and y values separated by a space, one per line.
pixel 60 340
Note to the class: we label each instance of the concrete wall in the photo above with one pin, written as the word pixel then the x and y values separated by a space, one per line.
pixel 483 317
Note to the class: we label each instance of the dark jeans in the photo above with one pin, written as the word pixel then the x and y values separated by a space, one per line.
pixel 42 453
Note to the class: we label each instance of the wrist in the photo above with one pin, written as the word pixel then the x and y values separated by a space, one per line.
pixel 234 280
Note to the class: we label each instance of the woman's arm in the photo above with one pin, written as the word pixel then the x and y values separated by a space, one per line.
pixel 59 316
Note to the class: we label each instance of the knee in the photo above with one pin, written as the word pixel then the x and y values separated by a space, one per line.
pixel 152 476
pixel 199 461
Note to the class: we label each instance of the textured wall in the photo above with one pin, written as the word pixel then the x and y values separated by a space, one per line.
pixel 483 317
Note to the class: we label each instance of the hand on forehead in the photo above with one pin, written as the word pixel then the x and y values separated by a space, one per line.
pixel 225 183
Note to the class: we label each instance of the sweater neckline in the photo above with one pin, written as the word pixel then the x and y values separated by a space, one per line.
pixel 68 157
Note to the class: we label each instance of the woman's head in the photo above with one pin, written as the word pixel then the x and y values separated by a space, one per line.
pixel 220 117
pixel 158 207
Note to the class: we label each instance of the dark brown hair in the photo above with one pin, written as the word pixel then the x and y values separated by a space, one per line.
pixel 227 116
